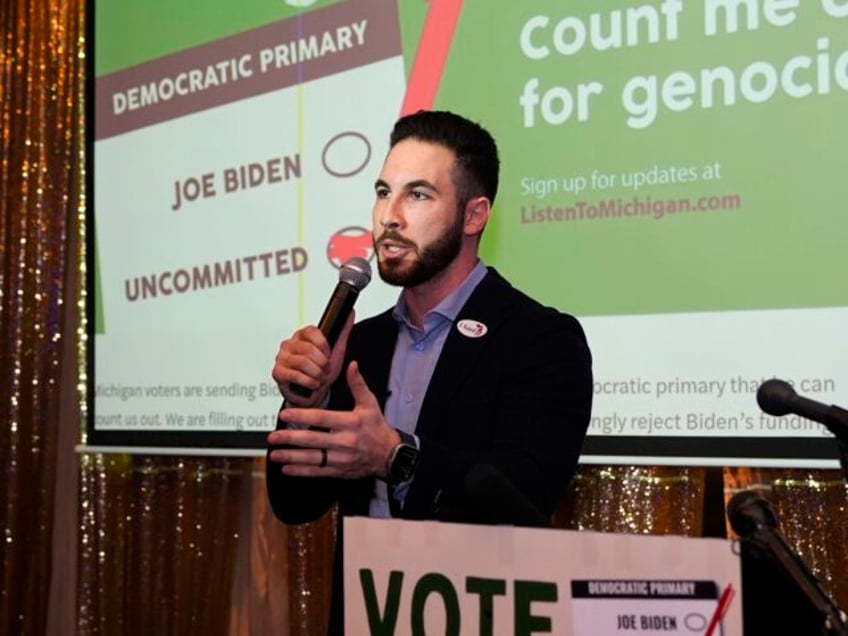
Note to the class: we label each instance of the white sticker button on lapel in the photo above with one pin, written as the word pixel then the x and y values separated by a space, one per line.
pixel 472 328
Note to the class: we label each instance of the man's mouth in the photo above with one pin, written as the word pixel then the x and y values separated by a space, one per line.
pixel 392 247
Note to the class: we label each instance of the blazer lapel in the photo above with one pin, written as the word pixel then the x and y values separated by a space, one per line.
pixel 485 307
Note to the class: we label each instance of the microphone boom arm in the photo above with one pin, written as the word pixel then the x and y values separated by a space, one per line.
pixel 806 581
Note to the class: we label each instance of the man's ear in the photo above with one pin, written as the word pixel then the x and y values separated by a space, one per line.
pixel 477 213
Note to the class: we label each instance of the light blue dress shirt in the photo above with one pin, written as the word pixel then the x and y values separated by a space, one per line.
pixel 415 357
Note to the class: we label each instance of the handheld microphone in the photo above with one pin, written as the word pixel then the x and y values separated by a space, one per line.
pixel 354 276
pixel 777 397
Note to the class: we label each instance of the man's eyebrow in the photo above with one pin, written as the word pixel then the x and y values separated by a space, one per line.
pixel 418 183
pixel 410 185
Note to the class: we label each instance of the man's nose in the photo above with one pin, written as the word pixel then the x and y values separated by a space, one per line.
pixel 391 217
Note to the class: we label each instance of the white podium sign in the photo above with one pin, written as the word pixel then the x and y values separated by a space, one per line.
pixel 426 577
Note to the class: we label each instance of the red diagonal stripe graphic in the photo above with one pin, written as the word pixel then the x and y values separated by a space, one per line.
pixel 433 48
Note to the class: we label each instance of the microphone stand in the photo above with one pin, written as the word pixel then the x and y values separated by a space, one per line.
pixel 836 421
pixel 771 541
pixel 843 456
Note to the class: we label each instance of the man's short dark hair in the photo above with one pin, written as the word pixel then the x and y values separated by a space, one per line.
pixel 475 150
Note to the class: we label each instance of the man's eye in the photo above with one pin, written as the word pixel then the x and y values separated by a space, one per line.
pixel 418 195
pixel 382 193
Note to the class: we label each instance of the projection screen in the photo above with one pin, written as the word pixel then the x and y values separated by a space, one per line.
pixel 672 173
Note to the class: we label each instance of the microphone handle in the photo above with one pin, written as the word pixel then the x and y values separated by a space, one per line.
pixel 338 309
pixel 332 321
pixel 833 417
pixel 812 410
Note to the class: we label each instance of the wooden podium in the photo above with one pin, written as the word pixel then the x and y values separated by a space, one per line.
pixel 424 577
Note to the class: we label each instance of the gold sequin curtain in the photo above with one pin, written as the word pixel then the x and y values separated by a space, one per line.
pixel 116 544
pixel 40 202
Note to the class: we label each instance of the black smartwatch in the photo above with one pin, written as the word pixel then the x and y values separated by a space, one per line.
pixel 403 460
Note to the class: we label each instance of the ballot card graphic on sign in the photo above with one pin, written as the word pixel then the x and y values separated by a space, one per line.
pixel 608 607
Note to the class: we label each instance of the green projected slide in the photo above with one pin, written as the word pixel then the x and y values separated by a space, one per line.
pixel 672 174
pixel 674 156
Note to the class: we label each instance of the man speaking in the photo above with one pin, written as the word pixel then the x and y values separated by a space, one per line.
pixel 463 371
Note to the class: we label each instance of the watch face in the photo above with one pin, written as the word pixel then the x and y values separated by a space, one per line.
pixel 404 463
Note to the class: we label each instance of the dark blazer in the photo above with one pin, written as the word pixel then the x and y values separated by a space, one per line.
pixel 518 398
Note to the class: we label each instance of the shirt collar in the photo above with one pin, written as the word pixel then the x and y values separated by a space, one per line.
pixel 451 304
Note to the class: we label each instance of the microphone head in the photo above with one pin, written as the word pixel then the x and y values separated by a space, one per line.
pixel 748 511
pixel 775 397
pixel 493 499
pixel 355 272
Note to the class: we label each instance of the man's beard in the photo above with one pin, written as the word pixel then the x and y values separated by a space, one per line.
pixel 431 260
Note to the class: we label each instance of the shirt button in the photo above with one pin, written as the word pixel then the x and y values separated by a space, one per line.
pixel 419 346
pixel 408 397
